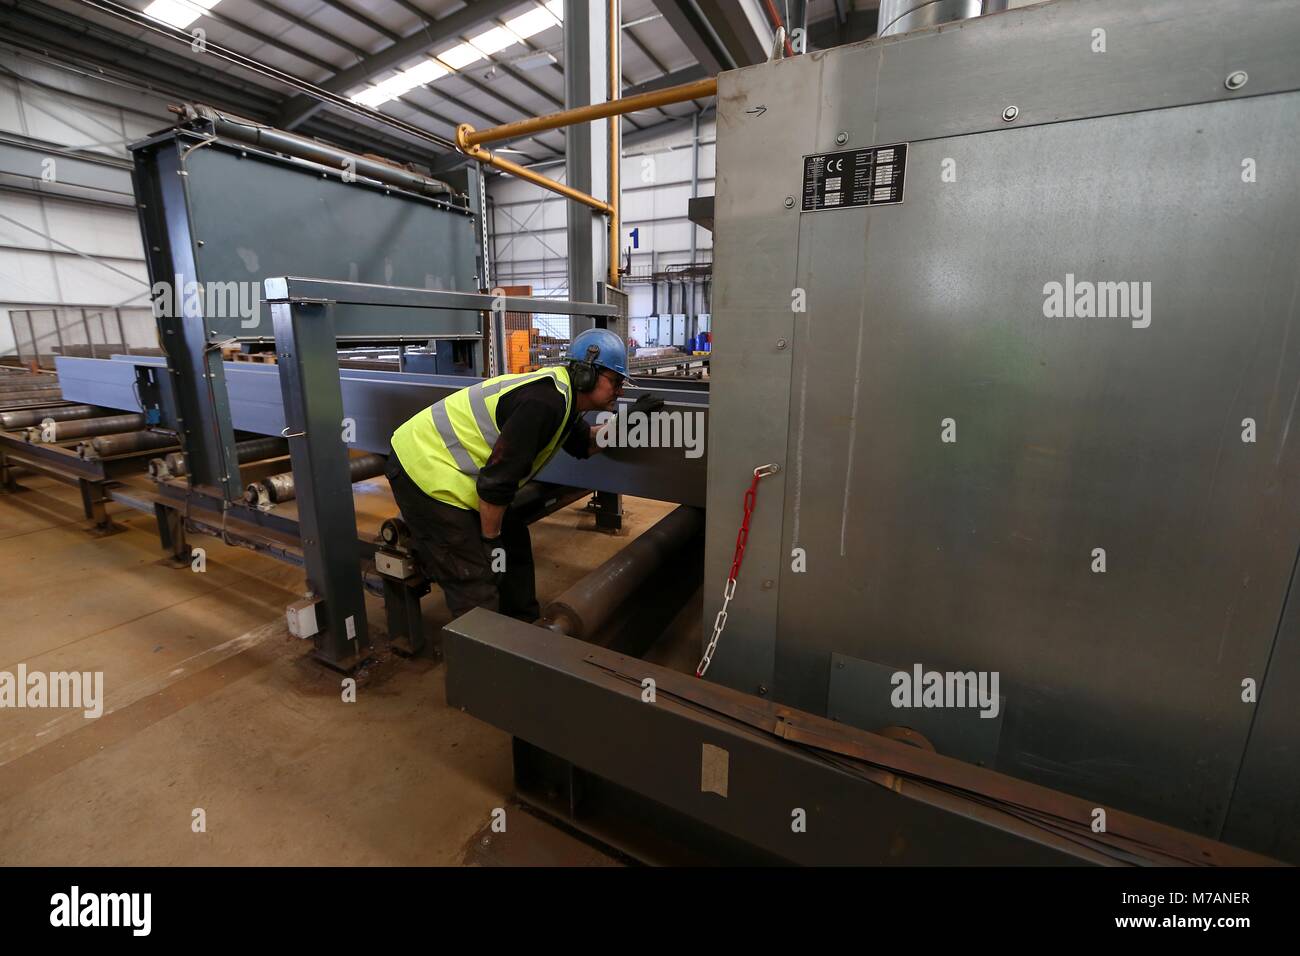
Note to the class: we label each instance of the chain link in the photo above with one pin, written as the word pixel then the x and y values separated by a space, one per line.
pixel 728 592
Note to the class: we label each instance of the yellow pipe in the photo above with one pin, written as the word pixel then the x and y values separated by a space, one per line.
pixel 537 179
pixel 700 89
pixel 614 95
pixel 471 140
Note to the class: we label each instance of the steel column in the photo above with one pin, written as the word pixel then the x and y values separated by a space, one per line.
pixel 585 160
pixel 306 341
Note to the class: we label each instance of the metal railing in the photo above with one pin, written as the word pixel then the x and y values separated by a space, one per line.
pixel 89 332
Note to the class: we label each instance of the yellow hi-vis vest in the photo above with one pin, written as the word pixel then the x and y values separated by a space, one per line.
pixel 443 447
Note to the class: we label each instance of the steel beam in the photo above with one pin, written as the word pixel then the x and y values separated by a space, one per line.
pixel 749 770
pixel 306 342
pixel 378 402
pixel 29 159
pixel 395 55
pixel 585 158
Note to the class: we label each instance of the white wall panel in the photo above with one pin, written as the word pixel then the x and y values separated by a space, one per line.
pixel 529 243
pixel 47 105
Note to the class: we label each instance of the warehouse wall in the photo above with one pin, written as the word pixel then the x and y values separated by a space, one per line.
pixel 64 245
pixel 528 223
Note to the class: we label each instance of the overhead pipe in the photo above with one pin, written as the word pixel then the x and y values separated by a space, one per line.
pixel 470 141
pixel 583 609
pixel 276 140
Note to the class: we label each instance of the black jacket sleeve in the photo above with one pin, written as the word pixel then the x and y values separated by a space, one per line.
pixel 527 418
pixel 577 441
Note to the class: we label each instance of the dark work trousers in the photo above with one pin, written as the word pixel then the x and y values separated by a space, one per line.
pixel 452 551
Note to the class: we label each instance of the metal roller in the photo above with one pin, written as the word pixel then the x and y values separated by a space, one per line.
pixel 251 450
pixel 11 388
pixel 278 489
pixel 255 449
pixel 584 608
pixel 87 428
pixel 26 417
pixel 108 446
pixel 47 393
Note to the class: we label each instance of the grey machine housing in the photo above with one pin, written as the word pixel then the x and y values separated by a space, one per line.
pixel 1032 158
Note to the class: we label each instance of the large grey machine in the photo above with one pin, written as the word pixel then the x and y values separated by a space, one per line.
pixel 1005 309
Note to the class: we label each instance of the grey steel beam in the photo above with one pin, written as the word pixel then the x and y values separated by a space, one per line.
pixel 482 88
pixel 662 129
pixel 692 27
pixel 270 41
pixel 378 402
pixel 47 29
pixel 742 765
pixel 299 107
pixel 305 23
pixel 687 74
pixel 306 343
pixel 27 158
pixel 291 288
pixel 585 163
pixel 197 370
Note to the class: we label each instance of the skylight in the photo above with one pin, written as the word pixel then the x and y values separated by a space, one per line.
pixel 516 30
pixel 178 13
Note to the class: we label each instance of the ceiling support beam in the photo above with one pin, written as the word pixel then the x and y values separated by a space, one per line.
pixel 299 107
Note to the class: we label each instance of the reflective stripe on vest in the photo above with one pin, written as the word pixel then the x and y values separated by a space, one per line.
pixel 442 449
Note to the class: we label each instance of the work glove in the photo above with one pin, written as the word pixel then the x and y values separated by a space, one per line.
pixel 647 403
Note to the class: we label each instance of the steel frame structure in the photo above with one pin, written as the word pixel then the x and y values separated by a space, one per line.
pixel 309 318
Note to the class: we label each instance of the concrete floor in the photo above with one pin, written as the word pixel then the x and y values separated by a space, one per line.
pixel 210 705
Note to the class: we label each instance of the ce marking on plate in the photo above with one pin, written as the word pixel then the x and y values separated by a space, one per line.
pixel 835 165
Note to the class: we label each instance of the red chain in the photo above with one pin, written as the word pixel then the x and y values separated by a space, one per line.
pixel 742 536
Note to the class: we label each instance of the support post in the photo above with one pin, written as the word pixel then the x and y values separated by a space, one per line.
pixel 306 346
pixel 585 158
pixel 171 535
pixel 93 503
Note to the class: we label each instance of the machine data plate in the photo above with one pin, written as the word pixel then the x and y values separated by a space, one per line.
pixel 854 177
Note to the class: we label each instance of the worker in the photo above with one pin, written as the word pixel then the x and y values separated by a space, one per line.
pixel 456 466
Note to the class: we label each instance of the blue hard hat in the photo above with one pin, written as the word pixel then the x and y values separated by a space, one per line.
pixel 602 348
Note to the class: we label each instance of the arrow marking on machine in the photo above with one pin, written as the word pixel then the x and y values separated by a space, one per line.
pixel 757 110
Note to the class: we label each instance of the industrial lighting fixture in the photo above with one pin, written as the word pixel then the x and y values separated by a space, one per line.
pixel 179 13
pixel 513 31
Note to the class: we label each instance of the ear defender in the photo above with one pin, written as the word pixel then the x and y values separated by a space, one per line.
pixel 584 373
